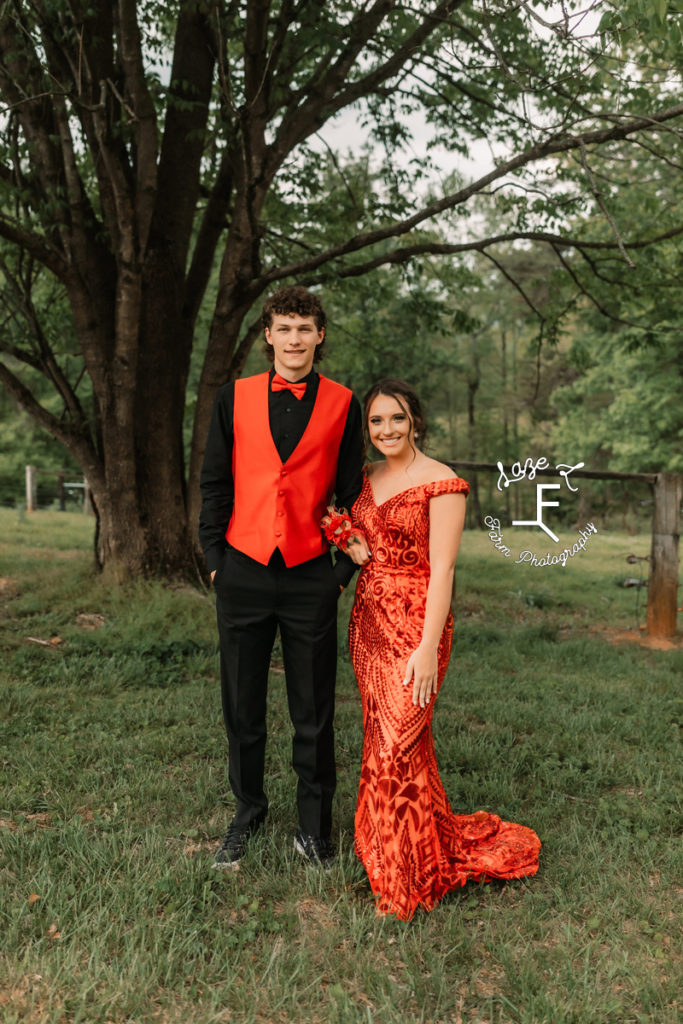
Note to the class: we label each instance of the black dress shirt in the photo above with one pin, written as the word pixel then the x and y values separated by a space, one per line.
pixel 289 417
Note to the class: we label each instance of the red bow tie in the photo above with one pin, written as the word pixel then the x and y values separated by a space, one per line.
pixel 279 383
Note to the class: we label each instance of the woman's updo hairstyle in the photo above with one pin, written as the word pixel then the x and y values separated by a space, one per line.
pixel 406 398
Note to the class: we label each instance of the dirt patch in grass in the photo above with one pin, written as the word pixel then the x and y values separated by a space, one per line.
pixel 29 998
pixel 488 982
pixel 313 915
pixel 40 820
pixel 90 620
pixel 195 847
pixel 628 791
pixel 637 636
pixel 8 587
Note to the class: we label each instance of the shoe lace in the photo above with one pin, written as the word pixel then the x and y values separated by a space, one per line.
pixel 232 836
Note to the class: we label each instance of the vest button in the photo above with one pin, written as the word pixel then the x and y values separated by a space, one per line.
pixel 280 513
pixel 278 533
pixel 283 472
pixel 280 493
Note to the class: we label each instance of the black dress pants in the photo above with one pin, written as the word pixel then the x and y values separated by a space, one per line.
pixel 252 600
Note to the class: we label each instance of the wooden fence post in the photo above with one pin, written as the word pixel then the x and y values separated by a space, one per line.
pixel 662 594
pixel 31 489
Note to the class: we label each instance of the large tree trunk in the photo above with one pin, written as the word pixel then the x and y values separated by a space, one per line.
pixel 130 544
pixel 137 476
pixel 140 498
pixel 163 366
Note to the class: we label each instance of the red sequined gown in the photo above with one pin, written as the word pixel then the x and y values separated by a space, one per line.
pixel 412 846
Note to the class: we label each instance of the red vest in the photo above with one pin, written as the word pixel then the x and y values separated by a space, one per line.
pixel 280 505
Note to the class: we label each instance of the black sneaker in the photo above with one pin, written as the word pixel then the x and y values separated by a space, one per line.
pixel 317 851
pixel 231 850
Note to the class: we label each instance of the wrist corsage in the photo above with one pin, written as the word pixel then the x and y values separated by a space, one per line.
pixel 338 528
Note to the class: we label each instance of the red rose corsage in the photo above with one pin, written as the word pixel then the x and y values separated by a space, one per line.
pixel 338 528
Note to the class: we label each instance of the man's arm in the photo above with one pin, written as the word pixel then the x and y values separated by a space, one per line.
pixel 216 482
pixel 349 479
pixel 349 482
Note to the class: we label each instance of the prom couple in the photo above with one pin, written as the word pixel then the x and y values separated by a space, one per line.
pixel 281 444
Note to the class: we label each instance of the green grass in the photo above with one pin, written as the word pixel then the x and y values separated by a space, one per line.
pixel 114 795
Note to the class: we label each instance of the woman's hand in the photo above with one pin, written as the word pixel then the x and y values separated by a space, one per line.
pixel 339 530
pixel 357 548
pixel 423 670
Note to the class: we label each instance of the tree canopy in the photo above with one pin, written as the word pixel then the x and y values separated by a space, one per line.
pixel 163 163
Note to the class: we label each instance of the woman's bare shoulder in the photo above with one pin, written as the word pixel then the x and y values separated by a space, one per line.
pixel 433 471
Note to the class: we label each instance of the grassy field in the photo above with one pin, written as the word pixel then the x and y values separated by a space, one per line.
pixel 114 795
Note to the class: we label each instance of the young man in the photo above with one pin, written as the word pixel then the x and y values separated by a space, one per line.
pixel 280 445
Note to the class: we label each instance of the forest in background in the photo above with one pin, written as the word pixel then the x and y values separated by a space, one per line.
pixel 594 386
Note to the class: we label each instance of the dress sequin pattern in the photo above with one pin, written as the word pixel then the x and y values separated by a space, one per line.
pixel 412 845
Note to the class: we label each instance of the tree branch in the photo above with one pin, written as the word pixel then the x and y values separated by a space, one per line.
pixel 589 295
pixel 405 253
pixel 244 348
pixel 321 98
pixel 539 151
pixel 212 225
pixel 75 440
pixel 90 67
pixel 515 284
pixel 340 171
pixel 20 288
pixel 144 116
pixel 36 244
pixel 597 194
pixel 187 113
pixel 285 18
pixel 21 79
pixel 256 58
pixel 81 213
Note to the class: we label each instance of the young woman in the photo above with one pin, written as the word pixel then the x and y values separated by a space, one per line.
pixel 411 510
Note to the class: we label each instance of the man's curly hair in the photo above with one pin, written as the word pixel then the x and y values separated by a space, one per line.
pixel 290 300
